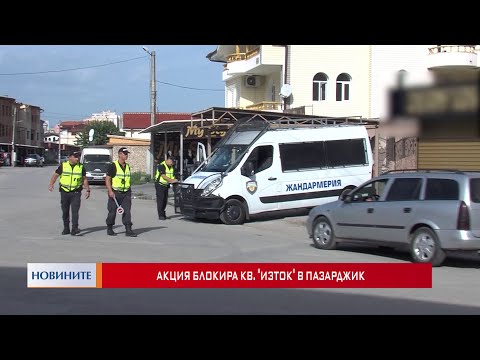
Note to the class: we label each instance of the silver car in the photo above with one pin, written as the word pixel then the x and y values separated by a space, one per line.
pixel 33 160
pixel 430 212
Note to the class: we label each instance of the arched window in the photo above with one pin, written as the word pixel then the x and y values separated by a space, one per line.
pixel 343 87
pixel 319 86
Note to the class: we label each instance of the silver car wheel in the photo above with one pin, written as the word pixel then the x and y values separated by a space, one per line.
pixel 322 233
pixel 424 246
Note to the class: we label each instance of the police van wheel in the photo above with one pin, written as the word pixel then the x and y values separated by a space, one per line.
pixel 345 192
pixel 233 213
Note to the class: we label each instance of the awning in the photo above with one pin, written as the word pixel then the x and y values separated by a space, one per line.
pixel 28 146
pixel 170 126
pixel 225 116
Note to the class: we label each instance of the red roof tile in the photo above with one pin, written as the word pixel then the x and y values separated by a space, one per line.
pixel 70 124
pixel 141 120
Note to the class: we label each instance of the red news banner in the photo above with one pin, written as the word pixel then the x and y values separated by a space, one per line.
pixel 264 275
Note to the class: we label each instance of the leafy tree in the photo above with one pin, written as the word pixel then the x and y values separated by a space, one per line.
pixel 101 128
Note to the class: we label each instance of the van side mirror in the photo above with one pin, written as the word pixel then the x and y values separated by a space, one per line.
pixel 248 169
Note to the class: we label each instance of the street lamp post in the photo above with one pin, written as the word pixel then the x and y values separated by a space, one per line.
pixel 153 105
pixel 12 156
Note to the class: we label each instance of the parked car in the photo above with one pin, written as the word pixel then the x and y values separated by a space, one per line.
pixel 33 160
pixel 431 213
pixel 63 158
pixel 4 158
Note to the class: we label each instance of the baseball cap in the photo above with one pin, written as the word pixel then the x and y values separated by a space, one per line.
pixel 124 150
pixel 74 153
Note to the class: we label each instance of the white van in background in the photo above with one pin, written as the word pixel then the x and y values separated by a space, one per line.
pixel 96 161
pixel 259 167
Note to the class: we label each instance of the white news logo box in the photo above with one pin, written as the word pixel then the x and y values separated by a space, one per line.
pixel 59 275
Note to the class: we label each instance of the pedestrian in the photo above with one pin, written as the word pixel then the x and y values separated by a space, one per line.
pixel 119 189
pixel 164 176
pixel 190 162
pixel 72 174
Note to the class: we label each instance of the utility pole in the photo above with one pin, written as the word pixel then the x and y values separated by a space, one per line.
pixel 153 110
pixel 12 156
pixel 153 106
pixel 153 103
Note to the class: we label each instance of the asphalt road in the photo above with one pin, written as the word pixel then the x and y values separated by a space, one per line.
pixel 30 227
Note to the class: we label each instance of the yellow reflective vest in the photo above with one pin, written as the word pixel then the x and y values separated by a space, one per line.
pixel 71 178
pixel 121 181
pixel 168 173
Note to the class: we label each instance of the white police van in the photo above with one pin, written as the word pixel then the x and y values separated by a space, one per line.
pixel 259 167
pixel 96 160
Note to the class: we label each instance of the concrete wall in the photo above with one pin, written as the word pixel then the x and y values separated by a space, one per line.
pixel 137 158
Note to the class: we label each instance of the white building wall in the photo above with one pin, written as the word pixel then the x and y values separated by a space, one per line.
pixel 273 84
pixel 105 116
pixel 272 55
pixel 387 61
pixel 135 134
pixel 373 70
pixel 307 60
pixel 67 138
pixel 233 90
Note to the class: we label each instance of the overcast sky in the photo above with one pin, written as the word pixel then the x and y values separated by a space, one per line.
pixel 72 82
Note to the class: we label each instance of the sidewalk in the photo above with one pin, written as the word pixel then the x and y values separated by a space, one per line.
pixel 147 192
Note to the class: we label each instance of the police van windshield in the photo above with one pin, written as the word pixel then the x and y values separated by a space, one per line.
pixel 97 158
pixel 224 157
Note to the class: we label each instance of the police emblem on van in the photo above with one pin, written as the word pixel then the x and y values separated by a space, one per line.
pixel 251 187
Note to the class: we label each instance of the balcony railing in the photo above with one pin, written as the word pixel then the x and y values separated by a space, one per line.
pixel 265 105
pixel 452 49
pixel 243 56
pixel 452 57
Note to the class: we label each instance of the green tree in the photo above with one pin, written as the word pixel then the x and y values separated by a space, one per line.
pixel 101 128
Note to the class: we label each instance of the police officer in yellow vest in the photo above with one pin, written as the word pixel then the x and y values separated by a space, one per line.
pixel 72 175
pixel 118 186
pixel 163 178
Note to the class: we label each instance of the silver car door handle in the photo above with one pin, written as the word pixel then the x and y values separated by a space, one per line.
pixel 407 210
pixel 370 210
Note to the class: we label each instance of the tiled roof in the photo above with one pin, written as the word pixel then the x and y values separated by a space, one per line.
pixel 71 123
pixel 141 120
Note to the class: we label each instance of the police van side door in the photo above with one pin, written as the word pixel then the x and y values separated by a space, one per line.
pixel 260 179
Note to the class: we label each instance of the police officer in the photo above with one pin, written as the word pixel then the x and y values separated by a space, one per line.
pixel 72 175
pixel 163 178
pixel 118 186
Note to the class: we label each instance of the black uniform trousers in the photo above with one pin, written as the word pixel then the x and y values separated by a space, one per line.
pixel 162 196
pixel 71 200
pixel 124 199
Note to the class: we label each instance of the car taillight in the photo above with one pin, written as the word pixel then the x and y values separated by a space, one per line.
pixel 463 220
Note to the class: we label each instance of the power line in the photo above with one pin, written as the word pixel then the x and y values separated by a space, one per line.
pixel 187 87
pixel 72 69
pixel 51 112
pixel 101 65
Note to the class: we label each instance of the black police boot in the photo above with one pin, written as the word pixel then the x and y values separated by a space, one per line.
pixel 129 231
pixel 75 230
pixel 110 230
pixel 66 230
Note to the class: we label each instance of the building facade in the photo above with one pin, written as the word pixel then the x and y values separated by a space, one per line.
pixel 21 126
pixel 343 80
pixel 105 116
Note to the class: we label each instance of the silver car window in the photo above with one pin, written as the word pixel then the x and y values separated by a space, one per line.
pixel 405 189
pixel 370 192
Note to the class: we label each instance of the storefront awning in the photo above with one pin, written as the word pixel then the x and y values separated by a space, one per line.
pixel 170 126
